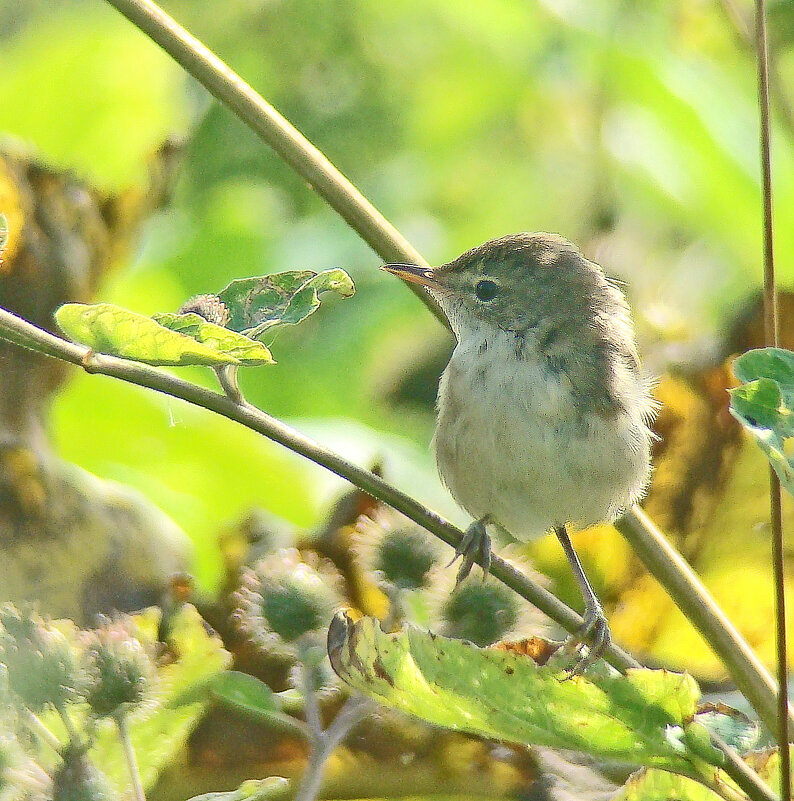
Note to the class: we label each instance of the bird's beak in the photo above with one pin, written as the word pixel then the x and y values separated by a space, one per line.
pixel 413 273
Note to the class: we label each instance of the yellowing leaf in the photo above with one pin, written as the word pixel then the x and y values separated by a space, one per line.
pixel 643 717
pixel 111 329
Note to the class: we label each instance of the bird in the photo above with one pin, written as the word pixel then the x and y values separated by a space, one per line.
pixel 544 412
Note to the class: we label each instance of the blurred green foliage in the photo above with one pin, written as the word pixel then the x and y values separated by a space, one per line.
pixel 627 126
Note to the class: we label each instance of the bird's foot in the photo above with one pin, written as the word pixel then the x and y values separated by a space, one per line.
pixel 475 546
pixel 594 633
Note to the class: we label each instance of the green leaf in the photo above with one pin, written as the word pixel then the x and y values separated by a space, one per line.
pixel 642 717
pixel 765 406
pixel 161 733
pixel 259 303
pixel 243 692
pixel 659 785
pixel 262 790
pixel 110 329
pixel 774 363
pixel 734 727
pixel 249 695
pixel 247 351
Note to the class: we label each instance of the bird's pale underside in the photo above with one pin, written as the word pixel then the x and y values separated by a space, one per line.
pixel 543 412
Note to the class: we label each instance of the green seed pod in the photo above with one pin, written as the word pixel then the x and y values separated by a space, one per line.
pixel 119 670
pixel 77 779
pixel 482 612
pixel 405 558
pixel 41 663
pixel 396 549
pixel 285 599
pixel 210 307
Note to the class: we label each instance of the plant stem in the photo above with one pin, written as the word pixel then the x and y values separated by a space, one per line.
pixel 354 710
pixel 687 591
pixel 771 333
pixel 311 703
pixel 129 755
pixel 35 724
pixel 71 730
pixel 21 332
pixel 227 378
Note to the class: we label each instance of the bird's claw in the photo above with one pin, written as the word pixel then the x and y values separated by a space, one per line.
pixel 593 633
pixel 475 545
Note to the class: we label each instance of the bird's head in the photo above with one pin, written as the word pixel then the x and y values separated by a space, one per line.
pixel 513 283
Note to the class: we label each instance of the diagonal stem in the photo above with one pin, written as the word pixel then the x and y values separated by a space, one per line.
pixel 688 593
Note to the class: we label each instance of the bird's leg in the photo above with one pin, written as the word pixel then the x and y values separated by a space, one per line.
pixel 475 543
pixel 595 631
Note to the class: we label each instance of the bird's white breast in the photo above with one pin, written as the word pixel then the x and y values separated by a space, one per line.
pixel 511 442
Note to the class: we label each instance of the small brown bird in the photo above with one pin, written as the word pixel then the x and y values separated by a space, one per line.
pixel 543 410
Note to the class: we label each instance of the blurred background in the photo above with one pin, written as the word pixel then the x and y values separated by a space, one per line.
pixel 629 127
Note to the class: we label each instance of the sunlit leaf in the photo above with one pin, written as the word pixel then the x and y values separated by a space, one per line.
pixel 246 350
pixel 659 785
pixel 259 303
pixel 255 790
pixel 764 405
pixel 643 717
pixel 159 734
pixel 110 329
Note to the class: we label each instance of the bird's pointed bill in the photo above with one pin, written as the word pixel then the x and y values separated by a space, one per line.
pixel 413 273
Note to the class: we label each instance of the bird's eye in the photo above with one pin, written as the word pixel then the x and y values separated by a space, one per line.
pixel 486 290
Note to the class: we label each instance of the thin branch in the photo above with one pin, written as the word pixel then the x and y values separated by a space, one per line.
pixel 746 37
pixel 771 335
pixel 74 736
pixel 227 378
pixel 23 333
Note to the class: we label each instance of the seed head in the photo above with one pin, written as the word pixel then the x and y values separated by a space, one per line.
pixel 119 670
pixel 482 612
pixel 397 550
pixel 285 599
pixel 40 661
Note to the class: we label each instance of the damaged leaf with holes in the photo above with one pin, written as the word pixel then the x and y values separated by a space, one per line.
pixel 257 304
pixel 645 717
pixel 764 405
